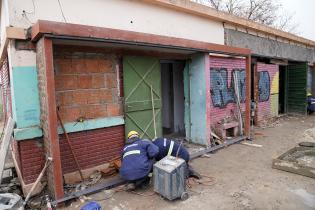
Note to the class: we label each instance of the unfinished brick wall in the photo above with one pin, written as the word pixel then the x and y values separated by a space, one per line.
pixel 86 85
pixel 223 105
pixel 32 158
pixel 267 91
pixel 94 147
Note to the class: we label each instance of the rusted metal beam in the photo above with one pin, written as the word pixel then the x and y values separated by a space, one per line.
pixel 70 145
pixel 248 97
pixel 123 36
pixel 52 135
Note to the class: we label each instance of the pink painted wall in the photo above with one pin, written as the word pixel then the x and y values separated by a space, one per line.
pixel 217 114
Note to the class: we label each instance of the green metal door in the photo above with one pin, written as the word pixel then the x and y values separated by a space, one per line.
pixel 296 86
pixel 140 75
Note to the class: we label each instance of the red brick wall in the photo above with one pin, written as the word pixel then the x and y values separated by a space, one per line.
pixel 93 147
pixel 32 158
pixel 225 110
pixel 87 85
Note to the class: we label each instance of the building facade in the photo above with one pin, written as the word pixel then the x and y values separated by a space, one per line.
pixel 158 67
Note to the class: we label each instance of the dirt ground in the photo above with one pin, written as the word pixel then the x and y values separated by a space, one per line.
pixel 243 177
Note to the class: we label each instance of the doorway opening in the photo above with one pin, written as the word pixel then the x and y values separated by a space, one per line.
pixel 282 89
pixel 173 100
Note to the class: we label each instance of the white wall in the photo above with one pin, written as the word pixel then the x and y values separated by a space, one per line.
pixel 119 14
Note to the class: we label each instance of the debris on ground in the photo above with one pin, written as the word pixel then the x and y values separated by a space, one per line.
pixel 299 160
pixel 11 201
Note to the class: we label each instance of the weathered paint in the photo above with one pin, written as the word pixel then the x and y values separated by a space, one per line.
pixel 268 91
pixel 92 124
pixel 297 82
pixel 208 102
pixel 133 16
pixel 34 132
pixel 27 133
pixel 198 100
pixel 25 96
pixel 222 98
pixel 187 99
pixel 140 75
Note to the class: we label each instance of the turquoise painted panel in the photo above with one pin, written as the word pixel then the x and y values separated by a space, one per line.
pixel 33 132
pixel 198 100
pixel 92 124
pixel 187 99
pixel 25 96
pixel 27 133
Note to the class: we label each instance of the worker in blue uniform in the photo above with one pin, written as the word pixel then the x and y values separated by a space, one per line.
pixel 137 160
pixel 169 147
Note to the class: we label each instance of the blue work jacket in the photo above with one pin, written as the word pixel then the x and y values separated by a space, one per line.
pixel 137 159
pixel 170 147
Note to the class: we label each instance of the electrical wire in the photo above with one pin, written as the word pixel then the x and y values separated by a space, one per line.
pixel 63 15
pixel 30 13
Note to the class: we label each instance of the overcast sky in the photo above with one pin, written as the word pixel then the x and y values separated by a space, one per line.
pixel 304 15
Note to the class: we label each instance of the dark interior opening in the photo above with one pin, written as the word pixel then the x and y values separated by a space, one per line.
pixel 173 101
pixel 282 89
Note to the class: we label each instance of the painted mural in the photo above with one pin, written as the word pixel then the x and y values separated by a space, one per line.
pixel 263 86
pixel 222 88
pixel 221 93
pixel 222 100
pixel 268 91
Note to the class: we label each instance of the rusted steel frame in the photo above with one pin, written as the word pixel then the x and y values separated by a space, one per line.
pixel 52 118
pixel 102 34
pixel 248 97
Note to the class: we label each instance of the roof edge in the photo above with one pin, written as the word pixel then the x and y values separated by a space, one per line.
pixel 210 13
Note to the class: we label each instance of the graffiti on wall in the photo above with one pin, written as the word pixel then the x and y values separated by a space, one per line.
pixel 263 86
pixel 221 93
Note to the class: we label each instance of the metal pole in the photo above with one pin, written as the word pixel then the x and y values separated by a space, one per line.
pixel 153 112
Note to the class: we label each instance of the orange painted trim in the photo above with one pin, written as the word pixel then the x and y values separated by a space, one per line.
pixel 91 32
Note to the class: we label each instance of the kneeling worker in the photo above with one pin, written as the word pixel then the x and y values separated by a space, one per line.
pixel 169 147
pixel 137 160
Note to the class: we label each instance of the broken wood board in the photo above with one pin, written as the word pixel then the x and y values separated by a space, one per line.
pixel 251 144
pixel 5 143
pixel 298 160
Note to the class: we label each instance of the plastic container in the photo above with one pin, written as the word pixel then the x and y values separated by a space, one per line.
pixel 93 205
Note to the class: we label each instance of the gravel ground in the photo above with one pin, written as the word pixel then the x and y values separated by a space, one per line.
pixel 243 177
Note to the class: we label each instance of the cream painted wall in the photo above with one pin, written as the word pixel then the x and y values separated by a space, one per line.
pixel 119 14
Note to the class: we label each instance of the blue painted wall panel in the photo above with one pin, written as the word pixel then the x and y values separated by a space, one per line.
pixel 25 97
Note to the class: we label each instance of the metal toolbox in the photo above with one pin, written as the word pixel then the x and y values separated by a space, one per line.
pixel 169 178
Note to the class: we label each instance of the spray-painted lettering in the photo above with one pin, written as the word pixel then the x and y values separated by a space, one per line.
pixel 263 86
pixel 221 93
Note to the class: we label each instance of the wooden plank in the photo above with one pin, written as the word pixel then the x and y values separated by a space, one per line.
pixel 5 144
pixel 250 144
pixel 16 33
